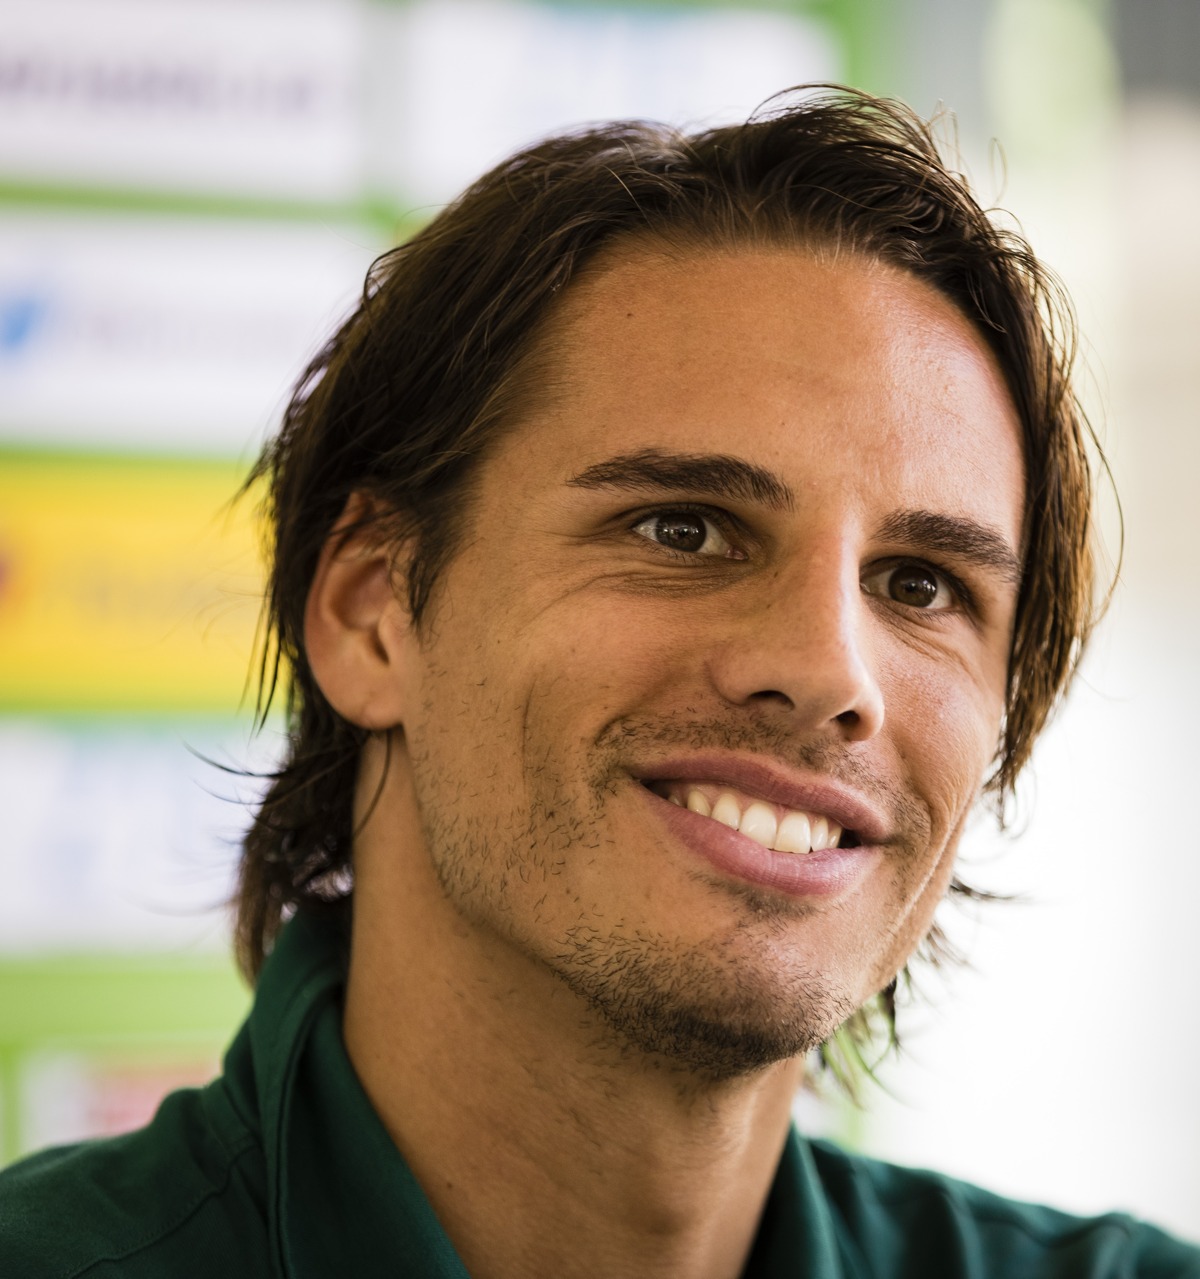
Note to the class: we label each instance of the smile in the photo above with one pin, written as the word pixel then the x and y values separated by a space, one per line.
pixel 784 830
pixel 751 821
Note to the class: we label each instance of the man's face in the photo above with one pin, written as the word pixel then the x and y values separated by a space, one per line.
pixel 750 562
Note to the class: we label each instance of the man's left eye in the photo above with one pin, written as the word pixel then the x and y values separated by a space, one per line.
pixel 914 585
pixel 687 532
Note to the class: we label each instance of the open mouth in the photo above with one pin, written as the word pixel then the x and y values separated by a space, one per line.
pixel 784 830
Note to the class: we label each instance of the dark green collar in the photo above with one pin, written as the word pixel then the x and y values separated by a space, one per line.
pixel 341 1199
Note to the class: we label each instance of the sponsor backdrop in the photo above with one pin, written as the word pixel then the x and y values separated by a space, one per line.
pixel 190 195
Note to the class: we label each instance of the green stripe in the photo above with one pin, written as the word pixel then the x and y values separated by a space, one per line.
pixel 651 7
pixel 218 725
pixel 151 708
pixel 88 995
pixel 129 1005
pixel 384 215
pixel 117 455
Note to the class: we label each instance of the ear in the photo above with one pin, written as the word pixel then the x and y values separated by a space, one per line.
pixel 357 633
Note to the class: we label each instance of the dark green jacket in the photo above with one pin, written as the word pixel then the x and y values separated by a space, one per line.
pixel 281 1168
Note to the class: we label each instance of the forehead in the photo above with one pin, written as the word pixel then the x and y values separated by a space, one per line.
pixel 817 366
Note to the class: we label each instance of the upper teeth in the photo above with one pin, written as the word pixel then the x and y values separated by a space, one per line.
pixel 786 830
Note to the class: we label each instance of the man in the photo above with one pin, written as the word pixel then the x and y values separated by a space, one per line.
pixel 679 539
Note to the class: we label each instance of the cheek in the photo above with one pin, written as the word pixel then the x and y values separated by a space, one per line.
pixel 607 656
pixel 914 922
pixel 507 689
pixel 946 731
pixel 576 690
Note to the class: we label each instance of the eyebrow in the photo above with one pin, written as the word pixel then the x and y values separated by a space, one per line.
pixel 716 474
pixel 720 475
pixel 965 539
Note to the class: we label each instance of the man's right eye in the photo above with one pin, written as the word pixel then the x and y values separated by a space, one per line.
pixel 687 533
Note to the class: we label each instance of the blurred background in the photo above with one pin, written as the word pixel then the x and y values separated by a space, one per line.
pixel 190 194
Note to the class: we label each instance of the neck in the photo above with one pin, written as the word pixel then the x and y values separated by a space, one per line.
pixel 544 1143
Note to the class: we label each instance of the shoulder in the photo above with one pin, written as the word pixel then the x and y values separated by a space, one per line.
pixel 907 1221
pixel 182 1197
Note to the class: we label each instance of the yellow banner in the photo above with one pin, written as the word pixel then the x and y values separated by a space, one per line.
pixel 126 584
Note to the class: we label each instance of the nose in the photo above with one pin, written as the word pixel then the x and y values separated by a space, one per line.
pixel 800 645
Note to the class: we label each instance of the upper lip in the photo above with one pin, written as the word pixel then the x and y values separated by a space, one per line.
pixel 777 784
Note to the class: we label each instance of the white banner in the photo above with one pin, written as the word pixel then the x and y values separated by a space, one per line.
pixel 165 333
pixel 458 84
pixel 256 99
pixel 118 835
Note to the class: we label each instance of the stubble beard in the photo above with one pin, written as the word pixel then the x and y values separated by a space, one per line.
pixel 709 1016
pixel 706 1012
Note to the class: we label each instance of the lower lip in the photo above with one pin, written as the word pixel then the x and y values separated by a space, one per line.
pixel 827 873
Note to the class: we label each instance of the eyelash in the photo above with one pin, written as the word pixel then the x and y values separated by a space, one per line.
pixel 963 598
pixel 721 520
pixel 729 529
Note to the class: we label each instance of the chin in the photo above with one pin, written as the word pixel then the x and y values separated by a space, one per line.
pixel 715 1022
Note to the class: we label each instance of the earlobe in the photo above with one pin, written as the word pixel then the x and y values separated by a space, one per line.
pixel 356 629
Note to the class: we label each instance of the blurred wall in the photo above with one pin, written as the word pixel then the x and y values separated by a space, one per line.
pixel 1060 1066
